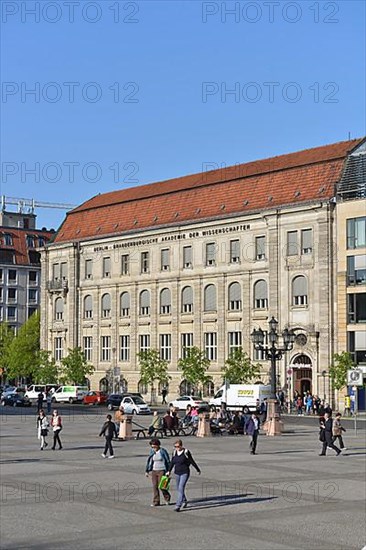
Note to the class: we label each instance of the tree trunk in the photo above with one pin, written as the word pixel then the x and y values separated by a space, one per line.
pixel 153 395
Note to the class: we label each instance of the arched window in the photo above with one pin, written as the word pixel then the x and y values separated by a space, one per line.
pixel 209 299
pixel 125 304
pixel 59 309
pixel 104 385
pixel 260 295
pixel 106 306
pixel 165 301
pixel 163 385
pixel 145 302
pixel 299 291
pixel 142 387
pixel 208 389
pixel 185 388
pixel 187 299
pixel 235 297
pixel 88 307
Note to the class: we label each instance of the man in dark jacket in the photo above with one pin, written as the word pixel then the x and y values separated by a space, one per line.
pixel 327 426
pixel 252 429
pixel 108 430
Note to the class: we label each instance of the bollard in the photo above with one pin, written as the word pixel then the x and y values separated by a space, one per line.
pixel 125 427
pixel 204 429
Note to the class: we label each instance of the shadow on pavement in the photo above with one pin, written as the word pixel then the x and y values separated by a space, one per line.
pixel 222 500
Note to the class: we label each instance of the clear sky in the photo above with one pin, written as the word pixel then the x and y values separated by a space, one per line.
pixel 126 93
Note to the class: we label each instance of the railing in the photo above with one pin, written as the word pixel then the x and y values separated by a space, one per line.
pixel 58 285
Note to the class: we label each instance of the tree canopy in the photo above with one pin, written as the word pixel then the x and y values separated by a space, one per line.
pixel 75 368
pixel 342 362
pixel 23 356
pixel 153 368
pixel 239 368
pixel 194 367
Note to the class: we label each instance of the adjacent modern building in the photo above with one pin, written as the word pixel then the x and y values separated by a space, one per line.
pixel 20 266
pixel 200 261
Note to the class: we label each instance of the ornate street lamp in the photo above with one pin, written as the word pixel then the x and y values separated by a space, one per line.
pixel 273 353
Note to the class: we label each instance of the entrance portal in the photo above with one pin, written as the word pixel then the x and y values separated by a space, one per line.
pixel 303 374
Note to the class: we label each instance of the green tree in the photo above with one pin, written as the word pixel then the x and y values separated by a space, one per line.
pixel 194 368
pixel 239 369
pixel 342 362
pixel 24 349
pixel 152 369
pixel 75 368
pixel 47 371
pixel 6 337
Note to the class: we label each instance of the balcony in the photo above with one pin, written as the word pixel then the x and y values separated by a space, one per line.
pixel 58 285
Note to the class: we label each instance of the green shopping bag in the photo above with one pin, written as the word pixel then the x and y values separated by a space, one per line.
pixel 164 483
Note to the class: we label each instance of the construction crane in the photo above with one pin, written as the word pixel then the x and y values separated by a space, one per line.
pixel 31 204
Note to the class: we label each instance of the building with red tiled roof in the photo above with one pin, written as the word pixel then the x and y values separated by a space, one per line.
pixel 20 266
pixel 200 261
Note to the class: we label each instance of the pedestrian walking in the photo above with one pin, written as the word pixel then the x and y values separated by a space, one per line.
pixel 181 462
pixel 42 428
pixel 337 431
pixel 56 424
pixel 49 401
pixel 108 430
pixel 326 435
pixel 164 393
pixel 252 428
pixel 158 465
pixel 40 398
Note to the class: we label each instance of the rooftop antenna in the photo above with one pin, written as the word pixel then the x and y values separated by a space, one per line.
pixel 349 136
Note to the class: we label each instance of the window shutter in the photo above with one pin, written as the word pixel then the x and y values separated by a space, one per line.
pixel 210 298
pixel 56 271
pixel 360 341
pixel 360 262
pixel 64 270
pixel 260 247
pixel 59 305
pixel 307 239
pixel 88 268
pixel 165 297
pixel 106 301
pixel 145 298
pixel 165 258
pixel 234 292
pixel 125 300
pixel 187 256
pixel 210 252
pixel 292 243
pixel 299 286
pixel 187 295
pixel 88 303
pixel 260 290
pixel 235 249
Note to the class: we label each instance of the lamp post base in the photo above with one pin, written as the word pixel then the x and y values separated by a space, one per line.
pixel 273 424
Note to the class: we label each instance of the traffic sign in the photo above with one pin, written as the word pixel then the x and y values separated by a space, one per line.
pixel 355 377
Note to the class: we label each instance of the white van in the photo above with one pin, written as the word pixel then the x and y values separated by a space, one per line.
pixel 70 394
pixel 35 389
pixel 241 396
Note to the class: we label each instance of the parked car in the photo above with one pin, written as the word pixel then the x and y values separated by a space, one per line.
pixel 95 398
pixel 114 401
pixel 182 402
pixel 133 404
pixel 70 394
pixel 35 389
pixel 15 399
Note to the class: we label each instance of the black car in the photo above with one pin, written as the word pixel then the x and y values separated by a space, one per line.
pixel 15 400
pixel 114 399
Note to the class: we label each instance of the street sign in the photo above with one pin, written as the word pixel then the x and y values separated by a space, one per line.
pixel 289 372
pixel 355 377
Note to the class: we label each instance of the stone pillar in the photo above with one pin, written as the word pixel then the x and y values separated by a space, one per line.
pixel 273 424
pixel 204 429
pixel 125 427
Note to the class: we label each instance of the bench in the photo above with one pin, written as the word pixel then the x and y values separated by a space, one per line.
pixel 139 430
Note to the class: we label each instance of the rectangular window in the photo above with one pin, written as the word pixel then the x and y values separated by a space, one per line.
pixel 124 347
pixel 306 241
pixel 8 239
pixel 186 340
pixel 41 241
pixel 58 349
pixel 12 313
pixel 1 313
pixel 106 267
pixel 30 241
pixel 234 341
pixel 31 311
pixel 32 277
pixel 32 295
pixel 259 354
pixel 144 342
pixel 12 295
pixel 166 347
pixel 145 267
pixel 165 259
pixel 56 272
pixel 260 248
pixel 356 270
pixel 1 294
pixel 64 271
pixel 105 348
pixel 292 249
pixel 210 254
pixel 12 276
pixel 210 339
pixel 187 257
pixel 235 251
pixel 356 308
pixel 88 347
pixel 1 275
pixel 88 269
pixel 125 264
pixel 356 233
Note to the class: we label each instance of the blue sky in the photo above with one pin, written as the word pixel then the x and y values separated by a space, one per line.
pixel 143 93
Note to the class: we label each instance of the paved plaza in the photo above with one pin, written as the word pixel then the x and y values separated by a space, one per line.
pixel 286 497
